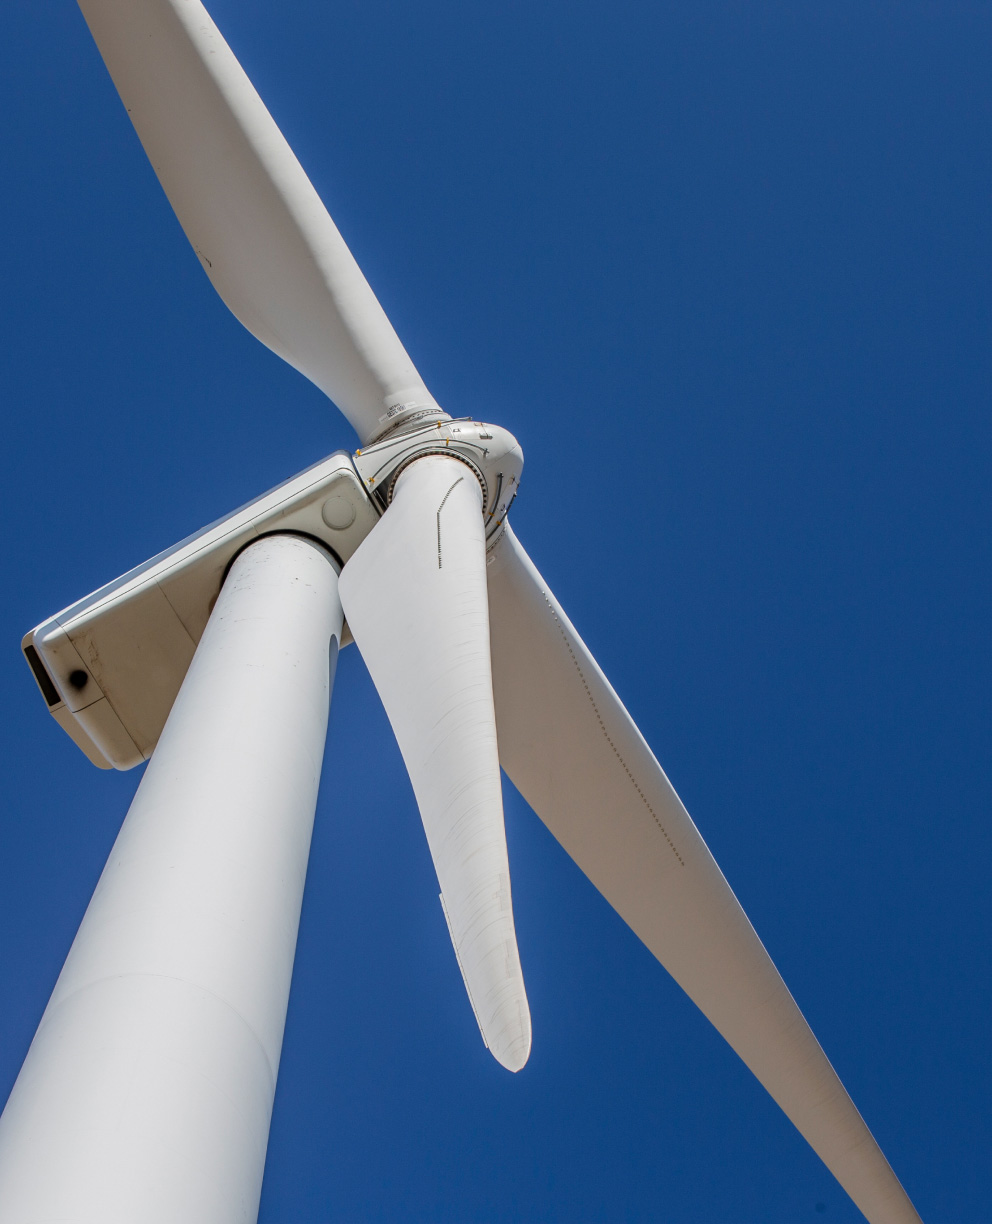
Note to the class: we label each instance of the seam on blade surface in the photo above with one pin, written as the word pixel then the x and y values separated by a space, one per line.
pixel 602 727
pixel 439 509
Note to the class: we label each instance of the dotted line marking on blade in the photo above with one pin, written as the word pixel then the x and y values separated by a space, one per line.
pixel 439 509
pixel 606 734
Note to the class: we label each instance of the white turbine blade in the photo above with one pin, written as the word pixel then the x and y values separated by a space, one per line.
pixel 251 214
pixel 415 599
pixel 574 753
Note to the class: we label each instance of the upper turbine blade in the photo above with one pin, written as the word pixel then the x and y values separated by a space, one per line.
pixel 251 214
pixel 414 595
pixel 576 756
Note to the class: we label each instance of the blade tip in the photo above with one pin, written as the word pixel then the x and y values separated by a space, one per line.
pixel 513 1054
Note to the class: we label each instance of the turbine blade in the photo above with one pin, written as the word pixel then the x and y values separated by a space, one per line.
pixel 414 595
pixel 259 228
pixel 573 752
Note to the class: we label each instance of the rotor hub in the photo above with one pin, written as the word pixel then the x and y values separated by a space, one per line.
pixel 493 454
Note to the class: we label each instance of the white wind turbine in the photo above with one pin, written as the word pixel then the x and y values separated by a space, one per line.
pixel 148 1088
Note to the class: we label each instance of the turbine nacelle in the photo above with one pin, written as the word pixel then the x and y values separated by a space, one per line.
pixel 134 639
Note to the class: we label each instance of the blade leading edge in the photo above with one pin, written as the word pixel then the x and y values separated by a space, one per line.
pixel 253 218
pixel 574 753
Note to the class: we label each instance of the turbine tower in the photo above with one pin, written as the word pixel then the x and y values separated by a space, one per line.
pixel 147 1091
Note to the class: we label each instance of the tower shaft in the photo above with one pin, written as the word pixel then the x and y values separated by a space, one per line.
pixel 147 1092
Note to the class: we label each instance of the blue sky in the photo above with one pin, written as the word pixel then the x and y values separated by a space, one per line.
pixel 724 271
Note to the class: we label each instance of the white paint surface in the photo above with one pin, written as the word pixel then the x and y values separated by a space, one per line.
pixel 147 1092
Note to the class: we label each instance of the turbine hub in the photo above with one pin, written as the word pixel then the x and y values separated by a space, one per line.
pixel 493 454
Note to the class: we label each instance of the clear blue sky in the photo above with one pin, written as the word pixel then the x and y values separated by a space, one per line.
pixel 723 268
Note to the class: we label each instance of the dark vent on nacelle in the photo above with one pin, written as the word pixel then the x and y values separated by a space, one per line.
pixel 51 693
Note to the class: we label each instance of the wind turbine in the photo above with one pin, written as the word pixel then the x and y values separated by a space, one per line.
pixel 179 977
